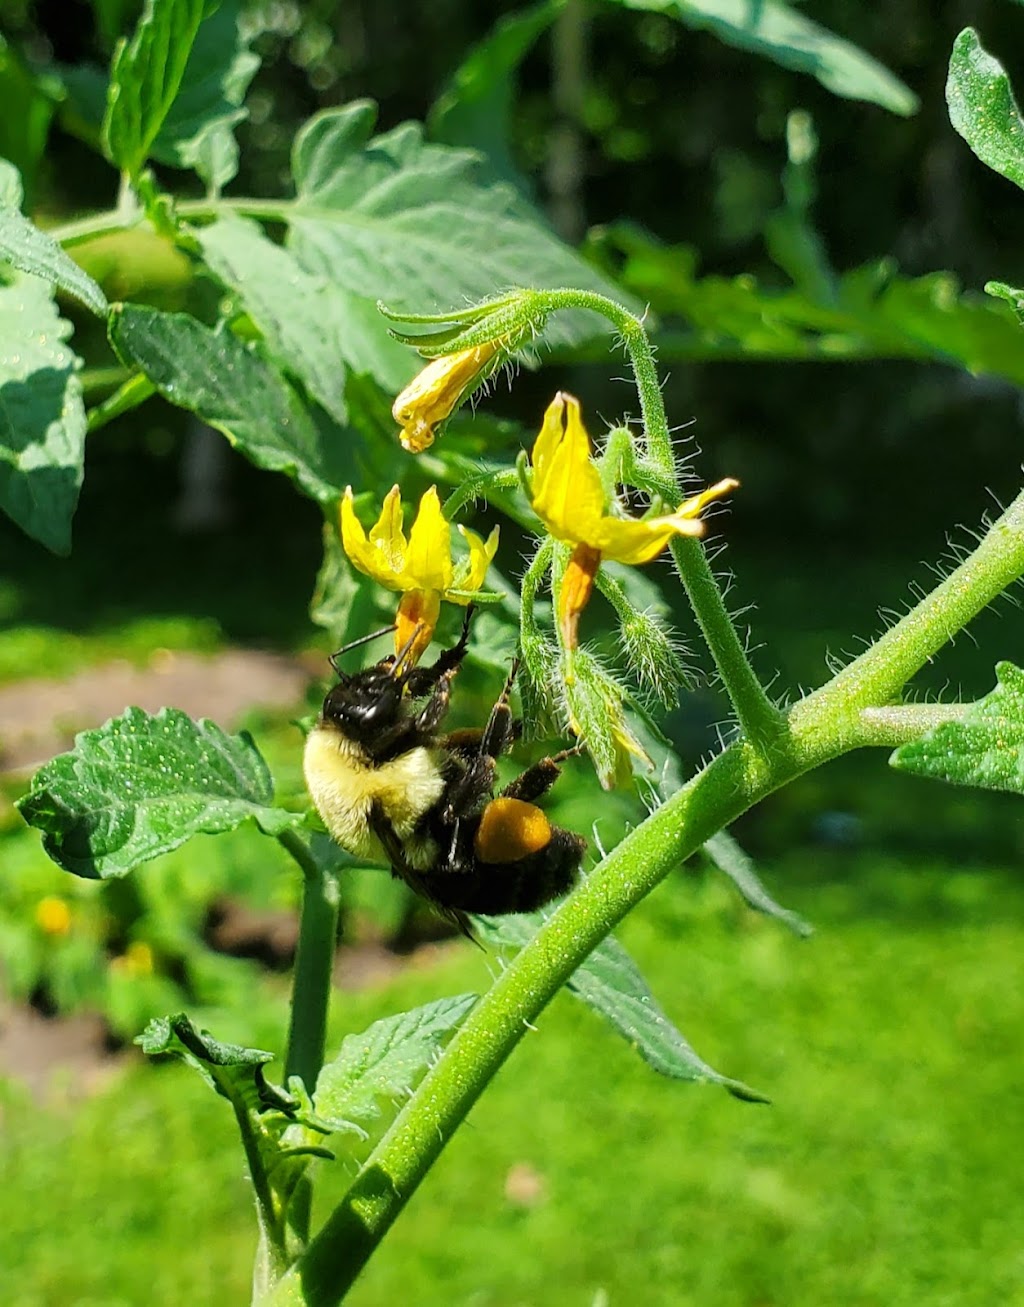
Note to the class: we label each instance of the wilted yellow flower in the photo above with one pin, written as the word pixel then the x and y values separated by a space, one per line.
pixel 434 394
pixel 568 497
pixel 53 915
pixel 420 567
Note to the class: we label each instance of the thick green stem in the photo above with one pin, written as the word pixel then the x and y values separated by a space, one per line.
pixel 314 963
pixel 826 724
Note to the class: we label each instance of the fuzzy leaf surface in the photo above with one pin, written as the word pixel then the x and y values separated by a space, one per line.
pixel 142 785
pixel 42 414
pixel 982 107
pixel 28 249
pixel 385 1060
pixel 984 748
pixel 394 218
pixel 233 387
pixel 610 983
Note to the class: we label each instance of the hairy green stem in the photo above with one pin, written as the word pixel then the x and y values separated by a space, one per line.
pixel 135 391
pixel 314 962
pixel 829 722
pixel 898 724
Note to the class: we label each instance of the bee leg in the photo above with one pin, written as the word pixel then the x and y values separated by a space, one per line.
pixel 421 680
pixel 400 867
pixel 539 778
pixel 477 782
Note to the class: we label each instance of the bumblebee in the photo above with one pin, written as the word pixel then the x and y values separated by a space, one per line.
pixel 392 788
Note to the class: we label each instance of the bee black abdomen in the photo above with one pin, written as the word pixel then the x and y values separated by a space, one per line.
pixel 498 888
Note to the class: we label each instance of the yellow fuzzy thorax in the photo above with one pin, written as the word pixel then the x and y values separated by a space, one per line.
pixel 343 784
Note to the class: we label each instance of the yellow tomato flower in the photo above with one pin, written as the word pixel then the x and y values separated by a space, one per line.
pixel 568 497
pixel 53 916
pixel 435 393
pixel 420 567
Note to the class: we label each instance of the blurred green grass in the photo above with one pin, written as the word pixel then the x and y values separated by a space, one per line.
pixel 885 1171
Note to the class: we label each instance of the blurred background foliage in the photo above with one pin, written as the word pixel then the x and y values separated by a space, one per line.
pixel 854 467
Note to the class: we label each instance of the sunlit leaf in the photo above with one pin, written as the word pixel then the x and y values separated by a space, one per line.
pixel 723 850
pixel 984 747
pixel 385 1060
pixel 145 76
pixel 393 218
pixel 42 415
pixel 142 785
pixel 982 107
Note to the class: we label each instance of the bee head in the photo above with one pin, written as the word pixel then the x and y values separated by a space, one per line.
pixel 365 704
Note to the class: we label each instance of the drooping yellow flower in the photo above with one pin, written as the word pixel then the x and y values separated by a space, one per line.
pixel 420 567
pixel 568 497
pixel 435 393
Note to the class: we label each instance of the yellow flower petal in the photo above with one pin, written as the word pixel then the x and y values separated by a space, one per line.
pixel 375 562
pixel 386 534
pixel 575 591
pixel 428 561
pixel 435 393
pixel 638 540
pixel 473 572
pixel 566 488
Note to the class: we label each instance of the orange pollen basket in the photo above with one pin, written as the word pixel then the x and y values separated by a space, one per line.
pixel 511 829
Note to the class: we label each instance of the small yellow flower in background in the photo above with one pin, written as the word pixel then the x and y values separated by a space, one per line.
pixel 568 497
pixel 53 915
pixel 420 567
pixel 435 393
pixel 136 960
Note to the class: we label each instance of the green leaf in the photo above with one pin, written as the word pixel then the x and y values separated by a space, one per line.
pixel 982 107
pixel 140 786
pixel 984 747
pixel 198 130
pixel 42 415
pixel 27 248
pixel 385 1060
pixel 731 860
pixel 778 32
pixel 610 983
pixel 233 1071
pixel 233 387
pixel 301 317
pixel 396 219
pixel 874 313
pixel 475 108
pixel 145 76
pixel 29 102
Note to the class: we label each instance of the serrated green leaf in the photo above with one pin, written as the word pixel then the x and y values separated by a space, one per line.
pixel 198 130
pixel 301 317
pixel 984 747
pixel 776 31
pixel 610 982
pixel 233 1071
pixel 982 107
pixel 42 415
pixel 731 860
pixel 385 1060
pixel 475 108
pixel 142 785
pixel 396 219
pixel 28 249
pixel 145 76
pixel 233 387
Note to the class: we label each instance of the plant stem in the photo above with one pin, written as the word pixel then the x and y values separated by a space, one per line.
pixel 135 391
pixel 827 723
pixel 900 723
pixel 314 962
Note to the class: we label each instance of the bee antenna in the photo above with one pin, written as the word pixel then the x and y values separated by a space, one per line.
pixel 403 653
pixel 354 644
